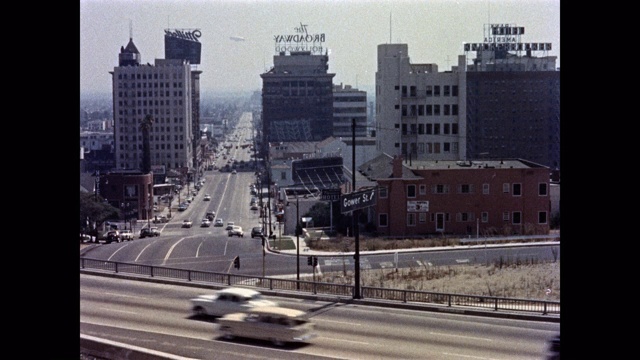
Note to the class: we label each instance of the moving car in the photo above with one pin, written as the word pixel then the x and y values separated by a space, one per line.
pixel 256 232
pixel 219 222
pixel 112 235
pixel 229 225
pixel 237 231
pixel 160 219
pixel 149 232
pixel 183 207
pixel 211 215
pixel 126 235
pixel 207 197
pixel 186 223
pixel 272 323
pixel 227 301
pixel 205 223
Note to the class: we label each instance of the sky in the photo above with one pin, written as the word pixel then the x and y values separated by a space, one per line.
pixel 433 30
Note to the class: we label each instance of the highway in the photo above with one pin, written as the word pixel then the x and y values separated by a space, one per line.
pixel 157 316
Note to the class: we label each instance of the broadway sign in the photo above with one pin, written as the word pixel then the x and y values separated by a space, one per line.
pixel 357 200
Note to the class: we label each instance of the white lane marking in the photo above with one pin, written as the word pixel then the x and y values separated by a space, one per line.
pixel 468 356
pixel 462 337
pixel 119 311
pixel 338 322
pixel 349 341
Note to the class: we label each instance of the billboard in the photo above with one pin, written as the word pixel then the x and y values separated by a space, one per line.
pixel 182 45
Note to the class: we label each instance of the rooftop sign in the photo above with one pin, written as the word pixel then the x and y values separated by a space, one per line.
pixel 301 40
pixel 505 37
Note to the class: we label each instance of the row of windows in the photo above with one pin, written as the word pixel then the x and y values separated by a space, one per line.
pixel 515 217
pixel 515 189
pixel 125 85
pixel 349 110
pixel 430 129
pixel 124 165
pixel 428 147
pixel 349 99
pixel 179 146
pixel 161 76
pixel 134 156
pixel 159 120
pixel 167 93
pixel 431 110
pixel 430 90
pixel 167 111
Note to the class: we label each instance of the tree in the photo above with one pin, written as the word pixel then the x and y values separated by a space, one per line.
pixel 92 211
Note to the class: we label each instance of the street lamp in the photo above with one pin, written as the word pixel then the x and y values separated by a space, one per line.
pixel 124 206
pixel 297 242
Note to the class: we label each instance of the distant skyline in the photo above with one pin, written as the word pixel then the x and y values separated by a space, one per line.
pixel 238 35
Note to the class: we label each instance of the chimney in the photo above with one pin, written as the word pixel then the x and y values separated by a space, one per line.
pixel 397 166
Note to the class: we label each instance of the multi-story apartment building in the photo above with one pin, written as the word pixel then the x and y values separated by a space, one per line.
pixel 348 104
pixel 297 98
pixel 418 109
pixel 165 91
pixel 494 197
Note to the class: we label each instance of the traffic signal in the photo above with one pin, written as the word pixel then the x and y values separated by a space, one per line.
pixel 236 262
pixel 310 260
pixel 315 261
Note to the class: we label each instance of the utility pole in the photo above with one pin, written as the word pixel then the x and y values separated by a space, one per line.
pixel 356 213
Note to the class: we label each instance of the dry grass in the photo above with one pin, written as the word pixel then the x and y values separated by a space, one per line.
pixel 540 281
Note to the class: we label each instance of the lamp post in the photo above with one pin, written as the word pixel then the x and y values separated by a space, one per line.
pixel 124 206
pixel 297 242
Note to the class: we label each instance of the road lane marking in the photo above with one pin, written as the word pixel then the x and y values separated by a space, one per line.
pixel 462 337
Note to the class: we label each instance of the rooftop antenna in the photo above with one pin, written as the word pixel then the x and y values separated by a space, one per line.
pixel 130 29
pixel 390 28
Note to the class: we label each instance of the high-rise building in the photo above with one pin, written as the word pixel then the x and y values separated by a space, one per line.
pixel 419 111
pixel 505 104
pixel 348 104
pixel 297 98
pixel 165 91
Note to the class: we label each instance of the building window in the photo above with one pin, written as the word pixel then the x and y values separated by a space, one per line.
pixel 454 109
pixel 422 217
pixel 446 129
pixel 283 175
pixel 429 90
pixel 411 191
pixel 454 90
pixel 505 216
pixel 454 128
pixel 383 220
pixel 542 189
pixel 383 192
pixel 446 147
pixel 485 189
pixel 542 217
pixel 447 90
pixel 411 219
pixel 423 189
pixel 517 189
pixel 485 217
pixel 436 129
pixel 429 110
pixel 436 110
pixel 516 217
pixel 436 90
pixel 505 188
pixel 440 189
pixel 465 189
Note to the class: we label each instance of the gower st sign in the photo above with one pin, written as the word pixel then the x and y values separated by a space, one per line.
pixel 358 200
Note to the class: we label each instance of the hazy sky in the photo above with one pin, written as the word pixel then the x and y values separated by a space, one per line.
pixel 433 30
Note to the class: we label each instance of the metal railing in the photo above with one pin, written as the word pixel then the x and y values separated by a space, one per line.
pixel 405 296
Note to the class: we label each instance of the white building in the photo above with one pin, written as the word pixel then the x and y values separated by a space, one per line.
pixel 349 104
pixel 163 90
pixel 420 112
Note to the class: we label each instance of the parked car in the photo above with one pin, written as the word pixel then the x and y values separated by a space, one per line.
pixel 276 324
pixel 160 219
pixel 254 206
pixel 183 207
pixel 211 215
pixel 229 225
pixel 205 223
pixel 207 197
pixel 186 223
pixel 234 171
pixel 149 232
pixel 227 301
pixel 218 222
pixel 256 232
pixel 126 235
pixel 237 231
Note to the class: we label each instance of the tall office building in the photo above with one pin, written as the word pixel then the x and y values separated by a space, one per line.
pixel 164 90
pixel 297 98
pixel 504 104
pixel 419 111
pixel 348 104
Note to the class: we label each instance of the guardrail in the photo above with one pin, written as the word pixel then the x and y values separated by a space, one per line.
pixel 405 296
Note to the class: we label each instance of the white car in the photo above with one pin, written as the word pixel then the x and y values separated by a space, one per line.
pixel 237 231
pixel 205 223
pixel 219 222
pixel 126 235
pixel 207 197
pixel 227 301
pixel 276 324
pixel 186 223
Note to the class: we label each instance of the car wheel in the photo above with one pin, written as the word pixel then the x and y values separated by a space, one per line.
pixel 277 342
pixel 199 311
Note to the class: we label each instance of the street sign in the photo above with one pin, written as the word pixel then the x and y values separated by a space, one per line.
pixel 330 194
pixel 358 200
